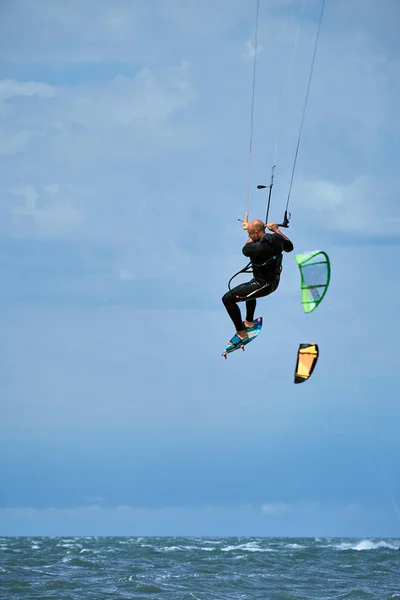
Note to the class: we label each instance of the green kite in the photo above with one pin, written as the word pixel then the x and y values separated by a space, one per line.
pixel 315 272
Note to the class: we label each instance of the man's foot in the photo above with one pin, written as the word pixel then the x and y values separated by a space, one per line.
pixel 238 337
pixel 248 324
pixel 242 334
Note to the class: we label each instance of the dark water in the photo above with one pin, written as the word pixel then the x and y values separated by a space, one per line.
pixel 195 568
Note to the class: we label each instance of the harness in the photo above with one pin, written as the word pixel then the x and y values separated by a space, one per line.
pixel 249 269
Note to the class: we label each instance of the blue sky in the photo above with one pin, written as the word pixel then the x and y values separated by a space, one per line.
pixel 124 139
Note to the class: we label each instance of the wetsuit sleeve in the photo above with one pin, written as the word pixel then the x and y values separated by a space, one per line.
pixel 266 247
pixel 280 244
pixel 255 251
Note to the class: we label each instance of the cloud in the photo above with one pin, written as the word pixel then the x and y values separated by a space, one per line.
pixel 10 88
pixel 350 125
pixel 51 215
pixel 118 520
pixel 354 207
pixel 274 509
pixel 307 518
pixel 129 32
pixel 97 141
pixel 250 51
pixel 122 117
pixel 112 28
pixel 126 275
pixel 124 150
pixel 95 501
pixel 125 102
pixel 308 507
pixel 14 143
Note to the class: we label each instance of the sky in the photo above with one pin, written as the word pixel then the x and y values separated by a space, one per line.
pixel 124 156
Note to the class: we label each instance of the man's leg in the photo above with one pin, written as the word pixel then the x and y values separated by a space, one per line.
pixel 250 310
pixel 230 302
pixel 238 294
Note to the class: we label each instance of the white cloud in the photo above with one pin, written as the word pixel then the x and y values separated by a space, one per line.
pixel 13 143
pixel 250 51
pixel 354 207
pixel 82 132
pixel 49 215
pixel 10 88
pixel 201 20
pixel 127 101
pixel 126 275
pixel 95 501
pixel 135 109
pixel 126 115
pixel 274 509
pixel 96 139
pixel 306 518
pixel 307 507
pixel 114 29
pixel 149 152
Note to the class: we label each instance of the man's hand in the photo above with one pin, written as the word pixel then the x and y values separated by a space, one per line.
pixel 273 227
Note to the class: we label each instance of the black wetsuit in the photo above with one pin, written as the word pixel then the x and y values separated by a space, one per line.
pixel 265 255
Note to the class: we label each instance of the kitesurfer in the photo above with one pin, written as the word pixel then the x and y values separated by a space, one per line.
pixel 265 253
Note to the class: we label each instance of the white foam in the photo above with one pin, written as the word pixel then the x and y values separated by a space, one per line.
pixel 249 547
pixel 365 545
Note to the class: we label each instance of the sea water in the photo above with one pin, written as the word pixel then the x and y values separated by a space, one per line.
pixel 176 568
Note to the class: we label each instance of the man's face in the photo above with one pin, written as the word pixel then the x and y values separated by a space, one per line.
pixel 255 234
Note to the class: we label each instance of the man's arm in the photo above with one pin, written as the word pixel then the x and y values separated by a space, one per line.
pixel 253 250
pixel 286 243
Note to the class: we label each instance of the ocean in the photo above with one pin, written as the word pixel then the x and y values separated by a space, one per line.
pixel 177 568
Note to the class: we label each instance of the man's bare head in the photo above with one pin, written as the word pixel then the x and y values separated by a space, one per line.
pixel 256 229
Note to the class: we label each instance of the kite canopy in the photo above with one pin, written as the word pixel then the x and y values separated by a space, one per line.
pixel 315 271
pixel 307 357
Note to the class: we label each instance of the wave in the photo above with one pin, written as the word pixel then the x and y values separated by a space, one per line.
pixel 366 545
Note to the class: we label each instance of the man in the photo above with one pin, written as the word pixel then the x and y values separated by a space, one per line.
pixel 265 253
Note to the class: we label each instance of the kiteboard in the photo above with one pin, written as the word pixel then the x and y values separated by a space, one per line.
pixel 236 343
